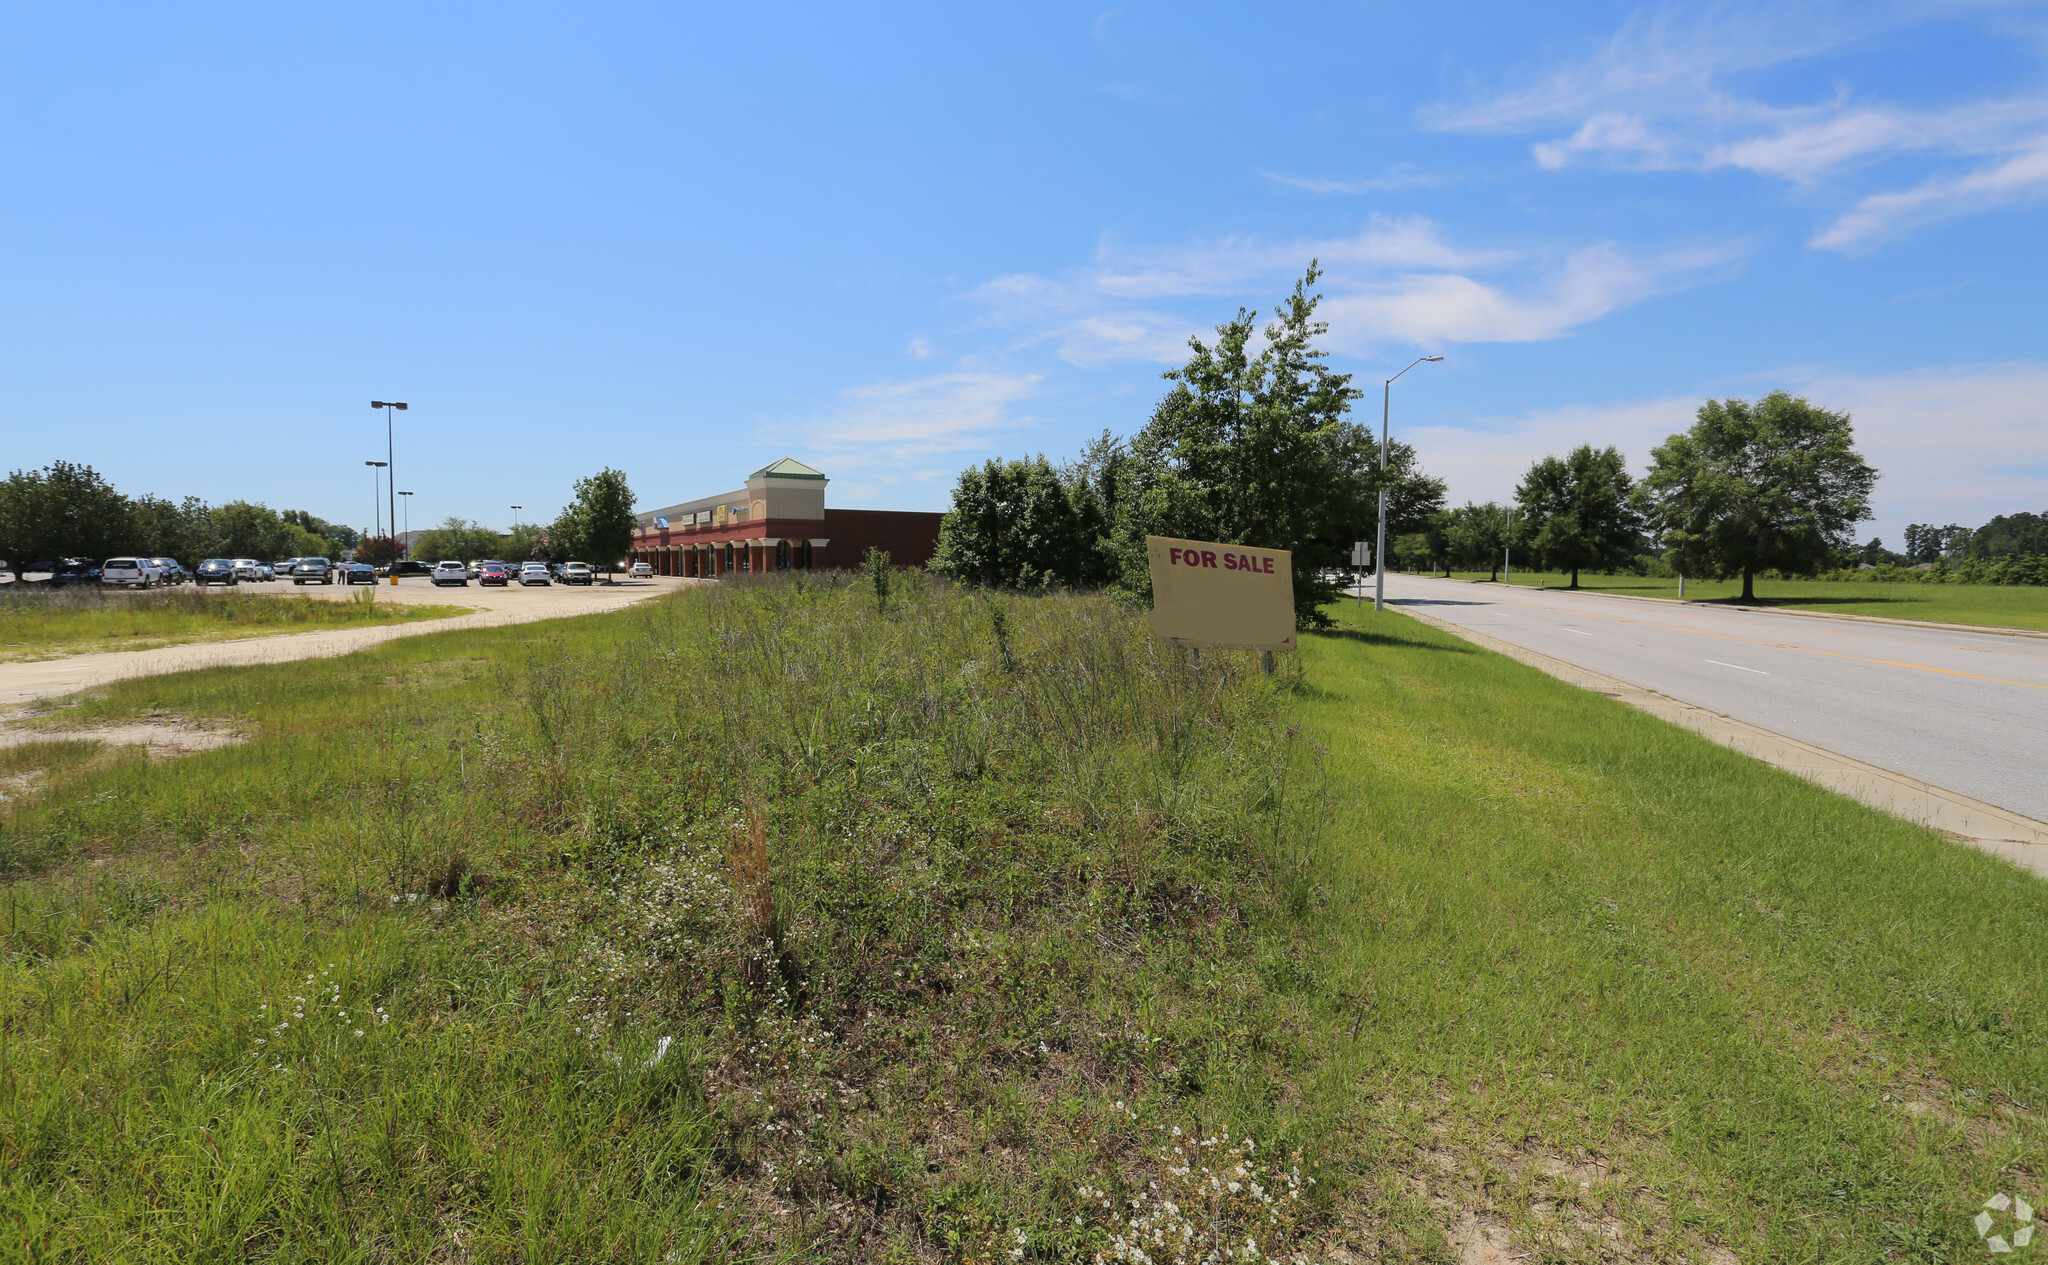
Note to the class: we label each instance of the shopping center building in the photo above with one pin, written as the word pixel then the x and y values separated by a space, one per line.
pixel 777 522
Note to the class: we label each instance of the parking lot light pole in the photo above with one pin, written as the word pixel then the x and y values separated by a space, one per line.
pixel 408 512
pixel 1379 561
pixel 390 459
pixel 376 502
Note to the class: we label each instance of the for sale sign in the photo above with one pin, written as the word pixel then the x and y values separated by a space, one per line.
pixel 1222 595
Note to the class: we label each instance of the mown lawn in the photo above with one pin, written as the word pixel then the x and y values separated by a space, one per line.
pixel 38 622
pixel 762 921
pixel 1617 981
pixel 1999 605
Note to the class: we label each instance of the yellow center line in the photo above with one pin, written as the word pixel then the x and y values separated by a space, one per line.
pixel 1826 654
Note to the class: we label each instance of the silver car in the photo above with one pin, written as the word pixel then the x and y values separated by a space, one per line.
pixel 533 573
pixel 450 572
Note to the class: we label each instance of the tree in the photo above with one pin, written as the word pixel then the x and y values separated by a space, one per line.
pixel 1579 512
pixel 341 538
pixel 380 551
pixel 1927 543
pixel 62 510
pixel 2011 536
pixel 1778 485
pixel 1477 536
pixel 1253 448
pixel 1019 525
pixel 460 540
pixel 599 522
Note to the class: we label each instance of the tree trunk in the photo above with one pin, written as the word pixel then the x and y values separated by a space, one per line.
pixel 1575 577
pixel 1748 585
pixel 1494 574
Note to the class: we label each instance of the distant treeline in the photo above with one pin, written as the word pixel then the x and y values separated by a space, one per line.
pixel 71 511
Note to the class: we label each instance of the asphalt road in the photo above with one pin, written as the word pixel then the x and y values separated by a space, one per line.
pixel 1964 711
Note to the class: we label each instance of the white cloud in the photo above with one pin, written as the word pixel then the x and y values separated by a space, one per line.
pixel 1955 444
pixel 1401 176
pixel 1655 98
pixel 918 349
pixel 895 421
pixel 2021 177
pixel 1397 281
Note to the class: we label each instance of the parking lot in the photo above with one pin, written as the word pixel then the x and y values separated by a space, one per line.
pixel 537 602
pixel 24 682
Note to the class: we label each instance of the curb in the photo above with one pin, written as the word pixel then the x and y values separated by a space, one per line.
pixel 2019 841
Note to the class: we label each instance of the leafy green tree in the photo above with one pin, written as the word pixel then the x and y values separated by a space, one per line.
pixel 1253 447
pixel 341 537
pixel 1019 525
pixel 2011 536
pixel 1579 510
pixel 63 510
pixel 460 540
pixel 533 541
pixel 1476 536
pixel 599 522
pixel 162 529
pixel 1777 485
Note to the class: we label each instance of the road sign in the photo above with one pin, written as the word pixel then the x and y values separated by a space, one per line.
pixel 1361 553
pixel 1206 594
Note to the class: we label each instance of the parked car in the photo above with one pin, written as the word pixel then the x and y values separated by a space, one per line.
pixel 131 573
pixel 275 569
pixel 250 569
pixel 641 570
pixel 312 571
pixel 533 573
pixel 75 571
pixel 216 571
pixel 494 573
pixel 577 573
pixel 358 573
pixel 406 566
pixel 450 572
pixel 174 572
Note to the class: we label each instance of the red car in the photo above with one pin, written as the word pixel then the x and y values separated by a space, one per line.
pixel 494 573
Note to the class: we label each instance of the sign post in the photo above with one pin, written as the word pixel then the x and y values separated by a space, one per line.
pixel 1207 594
pixel 1361 553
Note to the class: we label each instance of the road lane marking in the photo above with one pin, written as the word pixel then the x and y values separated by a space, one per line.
pixel 1738 667
pixel 1582 632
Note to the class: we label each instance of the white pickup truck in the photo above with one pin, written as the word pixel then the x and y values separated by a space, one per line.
pixel 133 573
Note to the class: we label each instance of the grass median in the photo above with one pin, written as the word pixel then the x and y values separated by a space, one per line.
pixel 766 920
pixel 1996 605
pixel 41 622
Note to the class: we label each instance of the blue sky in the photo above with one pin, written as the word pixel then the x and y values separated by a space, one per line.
pixel 894 241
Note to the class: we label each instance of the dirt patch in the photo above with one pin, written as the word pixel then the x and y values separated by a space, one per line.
pixel 165 737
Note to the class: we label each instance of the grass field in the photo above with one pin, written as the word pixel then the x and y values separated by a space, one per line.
pixel 38 622
pixel 757 921
pixel 2002 605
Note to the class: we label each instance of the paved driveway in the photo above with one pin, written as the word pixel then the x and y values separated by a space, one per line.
pixel 1964 711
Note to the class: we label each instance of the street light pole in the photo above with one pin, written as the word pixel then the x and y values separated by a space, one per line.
pixel 1379 561
pixel 1508 550
pixel 408 512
